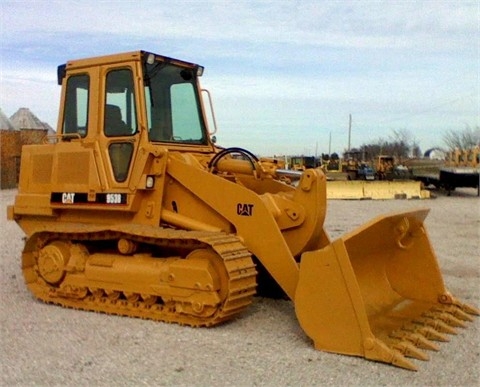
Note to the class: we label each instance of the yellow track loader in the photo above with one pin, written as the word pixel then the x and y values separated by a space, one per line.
pixel 131 209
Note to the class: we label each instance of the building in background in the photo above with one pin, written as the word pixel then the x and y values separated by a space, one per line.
pixel 22 128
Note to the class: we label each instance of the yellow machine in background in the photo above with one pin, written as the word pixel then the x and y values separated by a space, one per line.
pixel 473 157
pixel 463 157
pixel 132 210
pixel 352 177
pixel 301 163
pixel 376 190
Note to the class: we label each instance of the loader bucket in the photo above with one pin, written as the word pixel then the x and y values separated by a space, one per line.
pixel 378 292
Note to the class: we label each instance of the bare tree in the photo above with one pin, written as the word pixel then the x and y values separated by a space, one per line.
pixel 462 139
pixel 401 144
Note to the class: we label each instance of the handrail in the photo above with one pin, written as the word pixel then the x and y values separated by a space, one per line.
pixel 211 111
pixel 48 139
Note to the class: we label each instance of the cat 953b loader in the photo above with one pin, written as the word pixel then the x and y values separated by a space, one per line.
pixel 131 209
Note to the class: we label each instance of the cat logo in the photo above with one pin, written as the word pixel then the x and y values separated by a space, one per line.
pixel 68 198
pixel 244 209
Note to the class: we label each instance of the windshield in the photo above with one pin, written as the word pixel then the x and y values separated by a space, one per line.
pixel 173 107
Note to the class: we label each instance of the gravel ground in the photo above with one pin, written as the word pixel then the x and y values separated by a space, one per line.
pixel 47 345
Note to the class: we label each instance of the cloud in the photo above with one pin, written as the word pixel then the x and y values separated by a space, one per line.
pixel 329 23
pixel 282 66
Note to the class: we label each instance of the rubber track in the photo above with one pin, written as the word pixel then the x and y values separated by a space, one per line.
pixel 237 260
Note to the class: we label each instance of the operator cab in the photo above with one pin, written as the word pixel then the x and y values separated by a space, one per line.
pixel 124 100
pixel 166 102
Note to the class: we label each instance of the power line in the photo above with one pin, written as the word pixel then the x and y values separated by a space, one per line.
pixel 429 110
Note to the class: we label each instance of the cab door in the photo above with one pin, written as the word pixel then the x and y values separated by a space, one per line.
pixel 119 127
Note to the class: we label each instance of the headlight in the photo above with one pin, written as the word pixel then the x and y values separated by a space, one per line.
pixel 150 182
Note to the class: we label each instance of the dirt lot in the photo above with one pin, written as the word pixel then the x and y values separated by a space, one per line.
pixel 48 345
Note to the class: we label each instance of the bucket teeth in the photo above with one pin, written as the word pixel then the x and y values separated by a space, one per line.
pixel 447 318
pixel 470 309
pixel 408 349
pixel 437 325
pixel 392 352
pixel 455 311
pixel 416 339
pixel 428 332
pixel 400 361
pixel 416 336
pixel 460 314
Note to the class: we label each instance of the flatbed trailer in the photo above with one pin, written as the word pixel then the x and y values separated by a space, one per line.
pixel 450 178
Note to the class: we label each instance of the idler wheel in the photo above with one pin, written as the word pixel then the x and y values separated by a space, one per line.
pixel 52 260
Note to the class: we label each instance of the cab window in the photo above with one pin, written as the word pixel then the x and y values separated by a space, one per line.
pixel 75 118
pixel 173 106
pixel 120 113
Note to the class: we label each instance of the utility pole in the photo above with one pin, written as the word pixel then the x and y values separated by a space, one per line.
pixel 330 144
pixel 349 130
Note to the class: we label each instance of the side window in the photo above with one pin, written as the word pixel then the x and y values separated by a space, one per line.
pixel 185 118
pixel 120 115
pixel 75 119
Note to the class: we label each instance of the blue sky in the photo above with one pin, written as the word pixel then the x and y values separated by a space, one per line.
pixel 284 75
